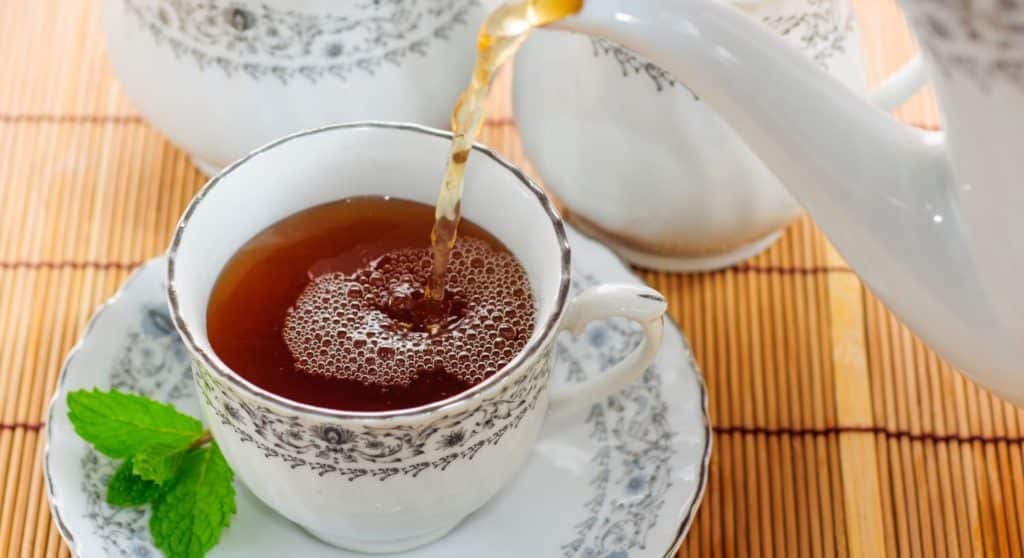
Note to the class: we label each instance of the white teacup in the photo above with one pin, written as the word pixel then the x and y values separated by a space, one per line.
pixel 387 481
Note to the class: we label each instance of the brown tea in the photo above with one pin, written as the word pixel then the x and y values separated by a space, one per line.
pixel 327 307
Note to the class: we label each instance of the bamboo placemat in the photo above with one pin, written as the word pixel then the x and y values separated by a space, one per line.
pixel 836 431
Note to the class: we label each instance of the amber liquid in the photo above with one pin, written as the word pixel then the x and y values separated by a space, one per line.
pixel 327 307
pixel 500 36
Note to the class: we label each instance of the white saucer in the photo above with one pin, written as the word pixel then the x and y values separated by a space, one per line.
pixel 621 479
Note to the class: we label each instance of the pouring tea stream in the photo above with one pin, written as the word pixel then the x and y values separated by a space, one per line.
pixel 927 219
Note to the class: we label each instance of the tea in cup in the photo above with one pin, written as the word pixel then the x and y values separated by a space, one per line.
pixel 360 470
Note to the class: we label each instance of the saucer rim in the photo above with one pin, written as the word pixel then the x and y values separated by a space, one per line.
pixel 136 274
pixel 83 337
pixel 705 462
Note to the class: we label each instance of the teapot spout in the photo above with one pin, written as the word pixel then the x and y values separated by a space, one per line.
pixel 883 192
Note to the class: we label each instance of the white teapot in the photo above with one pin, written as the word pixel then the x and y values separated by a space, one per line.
pixel 222 77
pixel 641 162
pixel 930 220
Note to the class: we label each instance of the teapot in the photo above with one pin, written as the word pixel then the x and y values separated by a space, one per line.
pixel 643 164
pixel 927 219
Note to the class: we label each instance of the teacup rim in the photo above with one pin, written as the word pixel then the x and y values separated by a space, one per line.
pixel 533 348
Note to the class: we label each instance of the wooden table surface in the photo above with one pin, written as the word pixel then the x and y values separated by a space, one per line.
pixel 836 431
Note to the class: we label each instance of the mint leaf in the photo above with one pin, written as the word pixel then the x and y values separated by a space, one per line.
pixel 196 506
pixel 121 425
pixel 158 465
pixel 166 463
pixel 127 490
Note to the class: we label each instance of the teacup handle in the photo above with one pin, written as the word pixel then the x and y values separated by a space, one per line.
pixel 643 305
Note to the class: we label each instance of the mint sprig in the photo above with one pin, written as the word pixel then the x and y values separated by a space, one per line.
pixel 198 504
pixel 126 490
pixel 121 425
pixel 170 462
pixel 158 465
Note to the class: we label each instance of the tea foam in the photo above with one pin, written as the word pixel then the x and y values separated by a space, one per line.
pixel 348 326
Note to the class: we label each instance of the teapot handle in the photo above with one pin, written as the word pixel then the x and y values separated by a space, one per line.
pixel 899 86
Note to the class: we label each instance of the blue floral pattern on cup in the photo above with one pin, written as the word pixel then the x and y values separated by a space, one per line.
pixel 374 452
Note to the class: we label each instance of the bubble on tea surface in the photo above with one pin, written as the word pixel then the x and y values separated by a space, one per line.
pixel 369 318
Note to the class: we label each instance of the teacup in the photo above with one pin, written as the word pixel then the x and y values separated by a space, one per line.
pixel 388 481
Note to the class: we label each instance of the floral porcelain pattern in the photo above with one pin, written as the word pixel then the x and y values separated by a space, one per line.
pixel 822 30
pixel 377 453
pixel 980 40
pixel 154 363
pixel 632 64
pixel 633 439
pixel 260 41
pixel 629 469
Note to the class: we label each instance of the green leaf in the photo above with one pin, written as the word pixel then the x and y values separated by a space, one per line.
pixel 196 506
pixel 127 490
pixel 158 465
pixel 121 425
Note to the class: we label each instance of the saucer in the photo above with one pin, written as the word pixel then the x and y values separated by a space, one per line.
pixel 620 479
